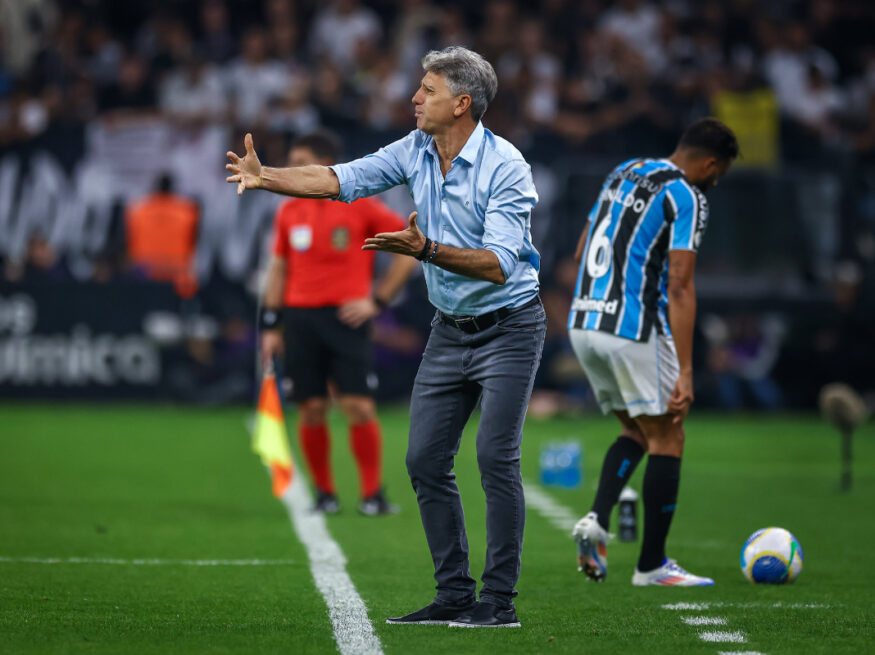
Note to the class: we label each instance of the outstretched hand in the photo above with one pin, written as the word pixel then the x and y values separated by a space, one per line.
pixel 246 172
pixel 409 241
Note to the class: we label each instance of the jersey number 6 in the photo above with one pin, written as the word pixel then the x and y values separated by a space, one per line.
pixel 598 259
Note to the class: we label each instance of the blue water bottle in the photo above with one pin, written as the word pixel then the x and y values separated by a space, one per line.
pixel 560 465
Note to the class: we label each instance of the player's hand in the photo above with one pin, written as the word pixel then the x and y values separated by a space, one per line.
pixel 406 242
pixel 356 312
pixel 271 346
pixel 681 397
pixel 246 172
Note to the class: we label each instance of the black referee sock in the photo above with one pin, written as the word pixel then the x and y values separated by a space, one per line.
pixel 620 462
pixel 661 481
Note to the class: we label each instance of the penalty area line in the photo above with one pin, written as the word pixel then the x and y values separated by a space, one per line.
pixel 353 630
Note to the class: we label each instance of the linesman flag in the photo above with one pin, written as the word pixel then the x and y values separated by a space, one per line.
pixel 270 440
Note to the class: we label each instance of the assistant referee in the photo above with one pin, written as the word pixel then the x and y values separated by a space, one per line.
pixel 318 305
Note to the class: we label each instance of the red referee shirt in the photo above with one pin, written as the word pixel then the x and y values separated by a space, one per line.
pixel 321 241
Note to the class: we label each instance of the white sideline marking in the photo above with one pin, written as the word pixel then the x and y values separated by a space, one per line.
pixel 739 652
pixel 353 631
pixel 704 620
pixel 558 515
pixel 147 562
pixel 736 637
pixel 699 607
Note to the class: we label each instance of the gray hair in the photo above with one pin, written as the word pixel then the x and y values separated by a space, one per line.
pixel 465 72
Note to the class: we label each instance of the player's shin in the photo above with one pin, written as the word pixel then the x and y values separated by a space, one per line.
pixel 660 491
pixel 620 462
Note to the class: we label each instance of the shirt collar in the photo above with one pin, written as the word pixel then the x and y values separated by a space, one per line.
pixel 470 149
pixel 472 145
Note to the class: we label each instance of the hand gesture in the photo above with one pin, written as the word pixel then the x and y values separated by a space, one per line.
pixel 246 172
pixel 355 312
pixel 681 397
pixel 406 242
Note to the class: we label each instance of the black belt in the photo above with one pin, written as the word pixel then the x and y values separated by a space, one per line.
pixel 472 324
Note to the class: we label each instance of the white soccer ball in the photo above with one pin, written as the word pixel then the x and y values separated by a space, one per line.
pixel 771 556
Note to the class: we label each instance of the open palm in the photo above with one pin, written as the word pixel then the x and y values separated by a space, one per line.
pixel 245 171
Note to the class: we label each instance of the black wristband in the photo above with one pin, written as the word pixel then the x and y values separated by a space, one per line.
pixel 269 318
pixel 424 252
pixel 433 253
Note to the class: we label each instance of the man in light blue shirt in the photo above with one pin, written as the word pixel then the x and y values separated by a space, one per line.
pixel 474 194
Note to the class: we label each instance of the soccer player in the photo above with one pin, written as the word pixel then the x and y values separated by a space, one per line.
pixel 474 194
pixel 631 326
pixel 319 281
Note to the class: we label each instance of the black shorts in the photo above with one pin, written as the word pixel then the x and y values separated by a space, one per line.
pixel 320 347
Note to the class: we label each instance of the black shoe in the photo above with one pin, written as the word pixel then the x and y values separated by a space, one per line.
pixel 326 503
pixel 433 614
pixel 377 505
pixel 487 615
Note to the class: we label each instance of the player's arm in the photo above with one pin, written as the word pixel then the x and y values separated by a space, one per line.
pixel 682 318
pixel 480 263
pixel 581 243
pixel 299 181
pixel 271 336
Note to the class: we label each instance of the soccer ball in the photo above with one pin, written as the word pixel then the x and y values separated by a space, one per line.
pixel 771 556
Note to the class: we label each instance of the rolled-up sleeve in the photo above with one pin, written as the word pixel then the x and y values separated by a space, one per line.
pixel 508 212
pixel 376 172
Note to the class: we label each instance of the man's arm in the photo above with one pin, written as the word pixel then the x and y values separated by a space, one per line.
pixel 681 318
pixel 299 181
pixel 272 338
pixel 276 283
pixel 504 229
pixel 479 263
pixel 360 178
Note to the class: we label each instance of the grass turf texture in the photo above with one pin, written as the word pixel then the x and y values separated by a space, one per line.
pixel 177 484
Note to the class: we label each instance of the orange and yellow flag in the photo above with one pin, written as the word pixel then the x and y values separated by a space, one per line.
pixel 270 440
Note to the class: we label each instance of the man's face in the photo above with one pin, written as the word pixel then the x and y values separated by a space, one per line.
pixel 433 104
pixel 708 171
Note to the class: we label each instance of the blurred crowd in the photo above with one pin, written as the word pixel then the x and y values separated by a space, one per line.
pixel 139 100
pixel 594 72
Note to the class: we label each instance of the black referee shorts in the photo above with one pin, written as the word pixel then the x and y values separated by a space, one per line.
pixel 320 347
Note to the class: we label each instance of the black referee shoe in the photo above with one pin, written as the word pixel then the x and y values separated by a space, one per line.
pixel 432 614
pixel 326 503
pixel 487 615
pixel 377 505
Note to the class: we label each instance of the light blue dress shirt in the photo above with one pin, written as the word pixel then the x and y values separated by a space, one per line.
pixel 485 201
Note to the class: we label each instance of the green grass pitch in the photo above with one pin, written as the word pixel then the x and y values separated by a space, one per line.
pixel 174 484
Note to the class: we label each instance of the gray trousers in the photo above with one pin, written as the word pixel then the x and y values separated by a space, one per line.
pixel 497 367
